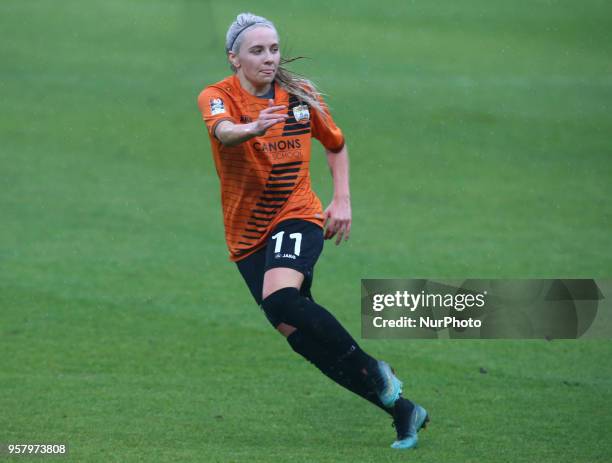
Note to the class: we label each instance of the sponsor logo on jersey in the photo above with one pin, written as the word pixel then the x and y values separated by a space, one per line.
pixel 245 119
pixel 301 113
pixel 279 255
pixel 282 145
pixel 216 106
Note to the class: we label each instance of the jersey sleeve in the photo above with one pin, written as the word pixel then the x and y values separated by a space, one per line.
pixel 215 107
pixel 325 129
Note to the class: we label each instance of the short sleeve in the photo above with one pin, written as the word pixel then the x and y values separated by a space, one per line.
pixel 215 107
pixel 326 130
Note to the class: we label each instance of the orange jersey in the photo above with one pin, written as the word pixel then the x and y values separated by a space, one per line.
pixel 266 179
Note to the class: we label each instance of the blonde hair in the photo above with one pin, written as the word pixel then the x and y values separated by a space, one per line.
pixel 302 88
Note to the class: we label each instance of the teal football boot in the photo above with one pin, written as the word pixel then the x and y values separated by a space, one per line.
pixel 408 421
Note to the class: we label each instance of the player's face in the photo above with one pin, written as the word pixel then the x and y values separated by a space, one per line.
pixel 258 57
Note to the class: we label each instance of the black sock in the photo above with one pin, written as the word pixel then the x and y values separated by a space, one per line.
pixel 400 405
pixel 336 371
pixel 317 323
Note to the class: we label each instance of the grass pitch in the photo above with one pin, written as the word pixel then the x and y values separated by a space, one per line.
pixel 479 134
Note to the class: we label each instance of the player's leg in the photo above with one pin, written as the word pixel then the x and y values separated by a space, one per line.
pixel 252 270
pixel 282 277
pixel 297 244
pixel 277 278
pixel 408 418
pixel 319 324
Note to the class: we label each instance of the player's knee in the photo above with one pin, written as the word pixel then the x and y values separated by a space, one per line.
pixel 277 304
pixel 285 329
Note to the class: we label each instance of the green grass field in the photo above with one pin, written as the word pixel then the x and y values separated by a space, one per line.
pixel 479 134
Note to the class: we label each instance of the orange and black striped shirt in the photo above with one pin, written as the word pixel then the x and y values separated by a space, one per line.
pixel 266 179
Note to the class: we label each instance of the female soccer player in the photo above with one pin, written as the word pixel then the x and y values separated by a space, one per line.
pixel 261 121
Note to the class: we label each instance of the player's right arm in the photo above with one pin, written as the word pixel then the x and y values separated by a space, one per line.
pixel 221 117
pixel 231 134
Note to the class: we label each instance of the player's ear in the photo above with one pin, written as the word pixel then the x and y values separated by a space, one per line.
pixel 233 58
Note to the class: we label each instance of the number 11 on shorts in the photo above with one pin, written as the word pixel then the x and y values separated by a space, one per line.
pixel 278 238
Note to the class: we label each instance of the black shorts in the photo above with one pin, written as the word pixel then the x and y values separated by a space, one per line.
pixel 295 244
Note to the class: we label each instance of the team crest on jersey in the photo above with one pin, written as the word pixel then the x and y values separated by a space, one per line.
pixel 216 106
pixel 301 113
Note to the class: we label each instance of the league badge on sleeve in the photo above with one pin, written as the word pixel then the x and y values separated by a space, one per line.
pixel 216 106
pixel 301 113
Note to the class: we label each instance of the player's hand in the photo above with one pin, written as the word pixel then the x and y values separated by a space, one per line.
pixel 337 220
pixel 269 117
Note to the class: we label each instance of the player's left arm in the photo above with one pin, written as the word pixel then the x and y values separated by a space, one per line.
pixel 338 214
